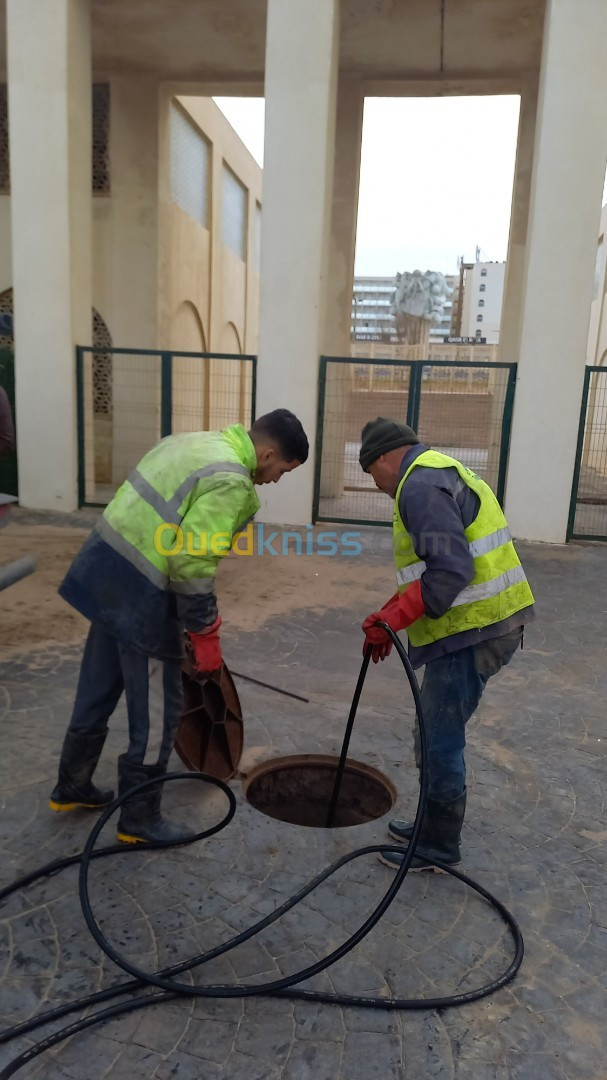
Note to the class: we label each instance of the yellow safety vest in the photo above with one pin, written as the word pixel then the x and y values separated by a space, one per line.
pixel 176 515
pixel 499 587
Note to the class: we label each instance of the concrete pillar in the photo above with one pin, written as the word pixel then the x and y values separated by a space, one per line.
pixel 340 280
pixel 512 304
pixel 300 92
pixel 126 268
pixel 49 77
pixel 566 188
pixel 514 284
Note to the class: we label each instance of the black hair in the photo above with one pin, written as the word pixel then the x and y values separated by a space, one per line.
pixel 284 429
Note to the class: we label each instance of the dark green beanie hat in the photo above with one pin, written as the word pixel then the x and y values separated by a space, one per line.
pixel 382 435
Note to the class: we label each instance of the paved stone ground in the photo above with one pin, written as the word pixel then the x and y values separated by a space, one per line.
pixel 536 835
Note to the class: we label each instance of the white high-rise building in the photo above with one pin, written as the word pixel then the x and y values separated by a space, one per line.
pixel 481 305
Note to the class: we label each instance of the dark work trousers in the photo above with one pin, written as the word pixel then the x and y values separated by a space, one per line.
pixel 152 688
pixel 450 692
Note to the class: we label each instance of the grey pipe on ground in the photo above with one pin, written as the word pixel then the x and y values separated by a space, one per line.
pixel 16 570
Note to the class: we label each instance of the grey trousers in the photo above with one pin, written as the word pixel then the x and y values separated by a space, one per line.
pixel 153 691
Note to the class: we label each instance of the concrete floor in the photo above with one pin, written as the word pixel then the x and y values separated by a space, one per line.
pixel 536 835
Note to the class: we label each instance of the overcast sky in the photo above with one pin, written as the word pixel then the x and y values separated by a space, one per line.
pixel 436 178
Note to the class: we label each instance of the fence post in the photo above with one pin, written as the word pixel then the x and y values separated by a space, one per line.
pixel 254 390
pixel 578 455
pixel 166 394
pixel 506 428
pixel 413 401
pixel 80 425
pixel 322 382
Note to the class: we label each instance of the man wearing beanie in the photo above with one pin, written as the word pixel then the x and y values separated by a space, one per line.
pixel 463 598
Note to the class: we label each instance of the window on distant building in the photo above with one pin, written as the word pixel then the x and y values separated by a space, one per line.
pixel 482 287
pixel 479 333
pixel 234 213
pixel 479 318
pixel 484 272
pixel 481 303
pixel 190 162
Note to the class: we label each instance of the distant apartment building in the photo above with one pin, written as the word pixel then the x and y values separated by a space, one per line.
pixel 372 316
pixel 477 301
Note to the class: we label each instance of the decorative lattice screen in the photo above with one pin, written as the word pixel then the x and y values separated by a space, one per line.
pixel 102 368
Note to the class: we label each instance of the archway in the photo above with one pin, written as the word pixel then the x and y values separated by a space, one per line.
pixel 191 374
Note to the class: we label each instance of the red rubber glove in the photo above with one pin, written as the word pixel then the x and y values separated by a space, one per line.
pixel 400 611
pixel 207 649
pixel 380 652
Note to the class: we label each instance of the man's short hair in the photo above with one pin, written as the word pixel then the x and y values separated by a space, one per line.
pixel 283 428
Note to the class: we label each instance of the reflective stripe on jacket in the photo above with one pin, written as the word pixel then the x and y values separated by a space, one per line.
pixel 148 568
pixel 499 587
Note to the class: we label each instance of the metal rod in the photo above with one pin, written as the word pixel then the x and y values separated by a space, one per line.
pixel 346 742
pixel 268 686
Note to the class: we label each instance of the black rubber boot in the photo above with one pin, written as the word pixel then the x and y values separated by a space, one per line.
pixel 439 837
pixel 140 818
pixel 74 788
pixel 400 830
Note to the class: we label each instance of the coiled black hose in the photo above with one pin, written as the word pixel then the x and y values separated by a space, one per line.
pixel 170 988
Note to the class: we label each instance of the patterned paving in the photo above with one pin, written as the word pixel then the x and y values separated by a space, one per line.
pixel 536 835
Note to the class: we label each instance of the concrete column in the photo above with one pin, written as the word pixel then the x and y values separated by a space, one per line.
pixel 512 304
pixel 49 76
pixel 128 261
pixel 340 280
pixel 566 188
pixel 300 91
pixel 514 284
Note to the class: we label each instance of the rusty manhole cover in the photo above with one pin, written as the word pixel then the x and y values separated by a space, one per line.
pixel 210 734
pixel 298 790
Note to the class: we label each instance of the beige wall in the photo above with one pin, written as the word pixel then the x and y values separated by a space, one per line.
pixel 597 331
pixel 595 442
pixel 161 280
pixel 208 297
pixel 125 241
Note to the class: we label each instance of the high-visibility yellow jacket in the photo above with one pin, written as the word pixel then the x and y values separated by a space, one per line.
pixel 148 568
pixel 499 587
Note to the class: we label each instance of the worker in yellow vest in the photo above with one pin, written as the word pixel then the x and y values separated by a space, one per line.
pixel 463 598
pixel 144 576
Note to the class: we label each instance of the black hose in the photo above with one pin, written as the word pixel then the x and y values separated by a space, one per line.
pixel 284 987
pixel 339 775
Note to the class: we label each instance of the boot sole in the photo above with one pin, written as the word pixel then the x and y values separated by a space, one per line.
pixel 429 868
pixel 60 808
pixel 125 838
pixel 400 839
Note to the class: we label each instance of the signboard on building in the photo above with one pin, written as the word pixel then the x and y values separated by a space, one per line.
pixel 448 340
pixel 369 335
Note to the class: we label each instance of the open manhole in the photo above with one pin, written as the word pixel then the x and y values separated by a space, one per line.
pixel 298 790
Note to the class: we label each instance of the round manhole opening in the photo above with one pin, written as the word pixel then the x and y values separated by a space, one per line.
pixel 298 790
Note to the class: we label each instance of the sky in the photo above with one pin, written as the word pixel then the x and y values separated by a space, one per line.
pixel 436 178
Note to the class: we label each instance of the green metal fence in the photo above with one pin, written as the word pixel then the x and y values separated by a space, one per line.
pixel 128 399
pixel 588 509
pixel 461 408
pixel 8 462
